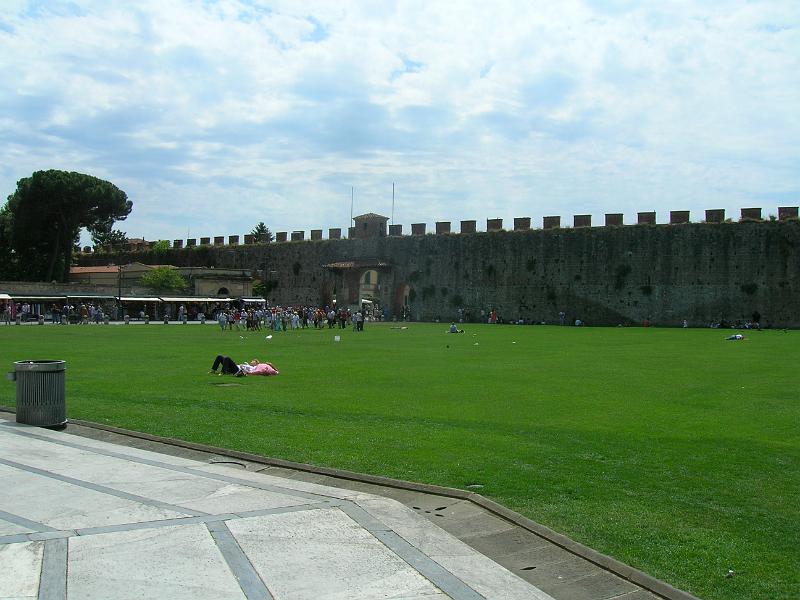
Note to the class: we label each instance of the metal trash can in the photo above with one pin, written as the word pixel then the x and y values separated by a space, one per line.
pixel 41 397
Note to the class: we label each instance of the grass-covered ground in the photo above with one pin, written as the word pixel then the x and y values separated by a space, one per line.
pixel 672 450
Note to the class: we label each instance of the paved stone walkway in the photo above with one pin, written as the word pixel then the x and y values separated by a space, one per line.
pixel 85 518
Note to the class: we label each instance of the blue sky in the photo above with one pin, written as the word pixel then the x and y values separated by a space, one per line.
pixel 213 116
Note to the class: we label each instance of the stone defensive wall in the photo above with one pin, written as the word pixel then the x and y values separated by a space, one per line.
pixel 604 275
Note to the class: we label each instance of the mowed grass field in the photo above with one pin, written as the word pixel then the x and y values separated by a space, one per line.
pixel 672 450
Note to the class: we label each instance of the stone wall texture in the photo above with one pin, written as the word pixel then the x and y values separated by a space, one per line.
pixel 603 275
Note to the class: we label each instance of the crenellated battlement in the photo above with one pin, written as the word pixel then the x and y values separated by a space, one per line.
pixel 610 274
pixel 373 225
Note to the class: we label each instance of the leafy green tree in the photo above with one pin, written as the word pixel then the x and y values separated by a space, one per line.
pixel 162 246
pixel 112 240
pixel 261 234
pixel 7 259
pixel 48 210
pixel 164 279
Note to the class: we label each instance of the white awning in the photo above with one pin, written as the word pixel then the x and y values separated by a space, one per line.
pixel 193 299
pixel 5 297
pixel 36 298
pixel 91 296
pixel 138 299
pixel 253 300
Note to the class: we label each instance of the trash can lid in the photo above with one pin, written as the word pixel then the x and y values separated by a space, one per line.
pixel 40 365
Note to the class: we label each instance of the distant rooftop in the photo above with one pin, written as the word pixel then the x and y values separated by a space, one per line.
pixel 370 216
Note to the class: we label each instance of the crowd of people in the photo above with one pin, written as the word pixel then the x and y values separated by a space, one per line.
pixel 60 314
pixel 287 318
pixel 284 318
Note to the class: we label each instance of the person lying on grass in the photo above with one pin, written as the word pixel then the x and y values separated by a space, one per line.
pixel 254 367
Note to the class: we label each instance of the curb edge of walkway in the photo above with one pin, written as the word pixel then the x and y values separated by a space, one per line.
pixel 640 578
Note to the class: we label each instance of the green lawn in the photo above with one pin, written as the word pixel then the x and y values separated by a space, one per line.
pixel 672 450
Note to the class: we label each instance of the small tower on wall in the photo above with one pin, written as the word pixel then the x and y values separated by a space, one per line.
pixel 369 225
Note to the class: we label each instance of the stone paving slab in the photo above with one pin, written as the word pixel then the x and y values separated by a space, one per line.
pixel 54 505
pixel 337 559
pixel 22 564
pixel 173 562
pixel 82 518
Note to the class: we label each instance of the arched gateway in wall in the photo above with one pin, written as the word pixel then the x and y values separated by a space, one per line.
pixel 370 279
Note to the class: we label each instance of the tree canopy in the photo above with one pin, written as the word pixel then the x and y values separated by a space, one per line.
pixel 164 279
pixel 112 240
pixel 261 233
pixel 162 246
pixel 41 222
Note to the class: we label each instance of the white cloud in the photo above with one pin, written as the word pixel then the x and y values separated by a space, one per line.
pixel 475 109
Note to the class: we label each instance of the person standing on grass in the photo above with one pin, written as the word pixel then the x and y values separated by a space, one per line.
pixel 222 319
